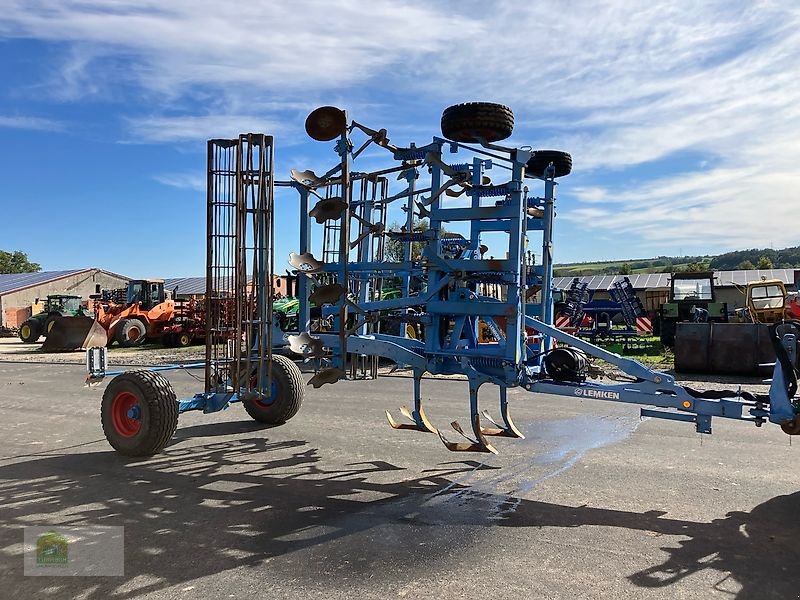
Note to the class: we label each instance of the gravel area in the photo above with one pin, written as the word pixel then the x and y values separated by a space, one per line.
pixel 13 350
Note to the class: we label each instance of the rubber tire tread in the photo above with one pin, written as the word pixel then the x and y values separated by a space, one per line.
pixel 158 403
pixel 562 161
pixel 494 122
pixel 122 338
pixel 36 331
pixel 291 390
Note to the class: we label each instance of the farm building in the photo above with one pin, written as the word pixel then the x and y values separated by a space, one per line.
pixel 184 288
pixel 653 288
pixel 20 291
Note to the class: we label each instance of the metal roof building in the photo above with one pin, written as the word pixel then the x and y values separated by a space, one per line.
pixel 647 281
pixel 196 286
pixel 19 291
pixel 186 286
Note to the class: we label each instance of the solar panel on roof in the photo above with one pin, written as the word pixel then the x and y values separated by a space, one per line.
pixel 10 282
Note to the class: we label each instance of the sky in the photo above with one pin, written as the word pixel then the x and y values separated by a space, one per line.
pixel 682 117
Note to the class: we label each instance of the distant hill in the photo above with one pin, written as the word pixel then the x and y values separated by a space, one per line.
pixel 766 258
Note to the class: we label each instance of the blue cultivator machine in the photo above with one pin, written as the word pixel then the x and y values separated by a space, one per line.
pixel 481 311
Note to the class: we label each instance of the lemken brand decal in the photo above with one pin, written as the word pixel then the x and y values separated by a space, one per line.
pixel 599 394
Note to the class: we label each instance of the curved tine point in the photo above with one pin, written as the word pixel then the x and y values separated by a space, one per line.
pixel 454 446
pixel 468 446
pixel 511 429
pixel 406 412
pixel 496 430
pixel 455 425
pixel 394 424
pixel 425 423
pixel 485 414
pixel 484 445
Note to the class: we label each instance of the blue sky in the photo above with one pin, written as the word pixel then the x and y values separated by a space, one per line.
pixel 683 118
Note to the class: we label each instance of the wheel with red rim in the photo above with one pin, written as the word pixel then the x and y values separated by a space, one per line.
pixel 126 414
pixel 285 395
pixel 139 413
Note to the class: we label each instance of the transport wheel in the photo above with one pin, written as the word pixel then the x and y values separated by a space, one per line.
pixel 472 122
pixel 30 331
pixel 168 340
pixel 541 159
pixel 139 413
pixel 182 340
pixel 130 333
pixel 285 397
pixel 792 427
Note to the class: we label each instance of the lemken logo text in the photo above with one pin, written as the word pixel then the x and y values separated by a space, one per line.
pixel 599 394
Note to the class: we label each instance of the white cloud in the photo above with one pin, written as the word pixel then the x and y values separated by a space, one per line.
pixel 183 181
pixel 619 85
pixel 297 45
pixel 32 123
pixel 196 128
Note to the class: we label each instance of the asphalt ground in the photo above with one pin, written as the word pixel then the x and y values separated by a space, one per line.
pixel 594 503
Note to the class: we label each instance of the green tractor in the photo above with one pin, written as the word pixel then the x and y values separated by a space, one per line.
pixel 55 307
pixel 692 299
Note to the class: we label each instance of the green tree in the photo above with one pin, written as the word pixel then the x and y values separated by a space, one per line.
pixel 695 267
pixel 17 262
pixel 394 249
pixel 746 265
pixel 764 262
pixel 625 269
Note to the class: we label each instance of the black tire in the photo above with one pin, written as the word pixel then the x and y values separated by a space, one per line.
pixel 288 397
pixel 183 339
pixel 168 340
pixel 130 333
pixel 473 122
pixel 30 331
pixel 541 159
pixel 157 409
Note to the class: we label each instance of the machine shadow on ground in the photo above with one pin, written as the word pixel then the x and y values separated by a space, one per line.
pixel 201 510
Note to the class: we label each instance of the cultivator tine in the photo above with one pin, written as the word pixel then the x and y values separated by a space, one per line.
pixel 496 430
pixel 507 429
pixel 420 421
pixel 479 444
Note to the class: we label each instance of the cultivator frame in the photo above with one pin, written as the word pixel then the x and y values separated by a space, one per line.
pixel 450 309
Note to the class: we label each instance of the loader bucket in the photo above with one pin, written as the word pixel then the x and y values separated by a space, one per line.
pixel 74 333
pixel 726 348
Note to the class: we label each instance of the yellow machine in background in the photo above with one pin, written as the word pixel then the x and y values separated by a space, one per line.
pixel 765 302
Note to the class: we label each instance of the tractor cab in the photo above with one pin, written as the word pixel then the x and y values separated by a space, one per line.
pixel 765 302
pixel 62 304
pixel 148 293
pixel 691 299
